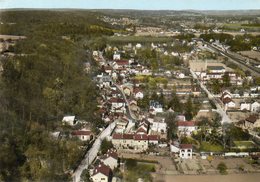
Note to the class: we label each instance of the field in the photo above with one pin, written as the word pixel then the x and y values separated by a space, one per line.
pixel 244 144
pixel 238 26
pixel 251 54
pixel 205 147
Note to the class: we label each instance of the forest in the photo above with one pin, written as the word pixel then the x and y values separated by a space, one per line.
pixel 41 82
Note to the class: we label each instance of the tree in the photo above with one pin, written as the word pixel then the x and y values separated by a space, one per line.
pixel 172 125
pixel 105 145
pixel 226 80
pixel 189 109
pixel 222 168
pixel 85 176
pixel 131 163
pixel 175 103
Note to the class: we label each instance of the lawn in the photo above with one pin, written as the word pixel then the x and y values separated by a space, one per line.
pixel 244 144
pixel 136 169
pixel 207 147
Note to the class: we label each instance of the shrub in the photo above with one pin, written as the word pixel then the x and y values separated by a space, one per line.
pixel 222 168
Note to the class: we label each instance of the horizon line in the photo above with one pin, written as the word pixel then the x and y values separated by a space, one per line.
pixel 23 8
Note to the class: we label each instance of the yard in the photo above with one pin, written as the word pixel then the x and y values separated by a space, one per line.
pixel 244 144
pixel 207 147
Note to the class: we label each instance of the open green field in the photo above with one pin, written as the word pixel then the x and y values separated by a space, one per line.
pixel 244 144
pixel 238 26
pixel 207 147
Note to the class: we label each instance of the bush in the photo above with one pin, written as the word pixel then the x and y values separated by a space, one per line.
pixel 131 163
pixel 222 168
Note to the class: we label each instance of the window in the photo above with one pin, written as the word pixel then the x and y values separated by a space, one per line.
pixel 103 179
pixel 189 155
pixel 189 150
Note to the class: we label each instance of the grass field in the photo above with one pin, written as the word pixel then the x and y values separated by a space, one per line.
pixel 244 144
pixel 238 26
pixel 207 147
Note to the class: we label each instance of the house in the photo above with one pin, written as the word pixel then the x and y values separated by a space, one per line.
pixel 186 127
pixel 121 125
pixel 116 56
pixel 159 125
pixel 153 139
pixel 229 103
pixel 185 151
pixel 127 90
pixel 133 106
pixel 137 142
pixel 245 106
pixel 110 159
pixel 140 142
pixel 69 120
pixel 252 121
pixel 156 107
pixel 138 94
pixel 102 173
pixel 143 129
pixel 83 135
pixel 175 147
pixel 255 107
pixel 117 105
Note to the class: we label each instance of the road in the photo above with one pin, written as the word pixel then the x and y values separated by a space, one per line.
pixel 92 153
pixel 224 116
pixel 130 115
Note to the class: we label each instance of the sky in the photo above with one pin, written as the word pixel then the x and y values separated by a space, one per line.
pixel 135 4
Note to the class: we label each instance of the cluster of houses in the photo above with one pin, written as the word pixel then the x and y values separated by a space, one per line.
pixel 102 169
pixel 209 69
pixel 230 104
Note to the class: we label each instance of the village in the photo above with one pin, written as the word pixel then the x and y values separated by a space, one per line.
pixel 164 121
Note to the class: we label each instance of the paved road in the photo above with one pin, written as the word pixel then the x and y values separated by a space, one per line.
pixel 128 110
pixel 92 153
pixel 225 118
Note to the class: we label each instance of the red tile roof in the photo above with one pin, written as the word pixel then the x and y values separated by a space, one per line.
pixel 154 137
pixel 116 100
pixel 185 146
pixel 140 137
pixel 186 123
pixel 123 136
pixel 122 62
pixel 101 168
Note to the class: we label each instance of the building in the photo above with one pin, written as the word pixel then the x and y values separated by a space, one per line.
pixel 185 151
pixel 255 107
pixel 83 135
pixel 245 106
pixel 186 127
pixel 69 120
pixel 159 125
pixel 102 173
pixel 110 159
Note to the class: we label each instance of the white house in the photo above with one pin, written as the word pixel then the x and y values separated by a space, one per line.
pixel 255 107
pixel 70 120
pixel 110 159
pixel 138 94
pixel 116 56
pixel 186 127
pixel 185 151
pixel 159 126
pixel 117 105
pixel 245 106
pixel 83 135
pixel 153 139
pixel 101 173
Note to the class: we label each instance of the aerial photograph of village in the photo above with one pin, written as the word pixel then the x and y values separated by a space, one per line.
pixel 129 91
